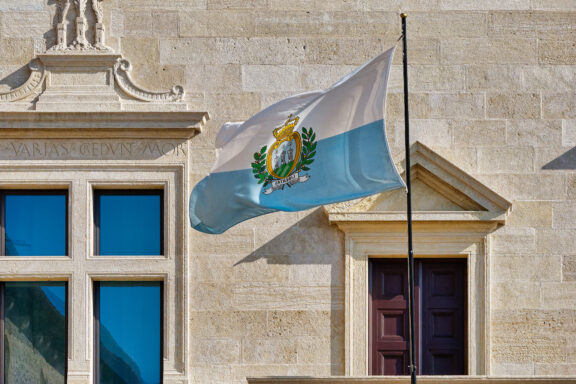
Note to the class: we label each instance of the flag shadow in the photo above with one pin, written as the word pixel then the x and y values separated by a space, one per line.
pixel 566 161
pixel 313 252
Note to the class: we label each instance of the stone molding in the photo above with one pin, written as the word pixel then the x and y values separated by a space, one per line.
pixel 109 125
pixel 478 203
pixel 31 85
pixel 406 379
pixel 122 70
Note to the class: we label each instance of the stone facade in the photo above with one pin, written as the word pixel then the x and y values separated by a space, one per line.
pixel 493 94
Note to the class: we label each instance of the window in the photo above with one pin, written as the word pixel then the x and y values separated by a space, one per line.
pixel 128 222
pixel 440 308
pixel 34 223
pixel 128 332
pixel 33 322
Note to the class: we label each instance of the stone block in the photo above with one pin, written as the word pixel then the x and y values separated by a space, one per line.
pixel 260 296
pixel 493 77
pixel 177 5
pixel 554 5
pixel 215 350
pixel 447 25
pixel 13 76
pixel 534 268
pixel 116 28
pixel 472 5
pixel 217 23
pixel 419 106
pixel 555 241
pixel 557 51
pixel 294 5
pixel 234 241
pixel 25 24
pixel 537 133
pixel 217 324
pixel 435 78
pixel 536 214
pixel 569 133
pixel 555 369
pixel 434 133
pixel 21 5
pixel 457 105
pixel 518 241
pixel 404 5
pixel 550 78
pixel 233 106
pixel 236 4
pixel 348 51
pixel 210 78
pixel 271 269
pixel 269 351
pixel 304 23
pixel 571 187
pixel 513 105
pixel 555 158
pixel 506 159
pixel 314 350
pixel 300 240
pixel 271 78
pixel 489 51
pixel 510 369
pixel 421 51
pixel 151 23
pixel 552 25
pixel 559 296
pixel 478 133
pixel 569 268
pixel 211 296
pixel 313 275
pixel 564 214
pixel 515 295
pixel 304 323
pixel 320 76
pixel 212 268
pixel 16 51
pixel 335 5
pixel 559 105
pixel 241 372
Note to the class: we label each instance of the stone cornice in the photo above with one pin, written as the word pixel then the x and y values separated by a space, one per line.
pixel 123 124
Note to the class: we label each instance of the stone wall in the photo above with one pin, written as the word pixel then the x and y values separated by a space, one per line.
pixel 493 90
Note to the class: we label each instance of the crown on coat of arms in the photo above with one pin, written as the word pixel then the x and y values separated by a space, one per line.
pixel 285 131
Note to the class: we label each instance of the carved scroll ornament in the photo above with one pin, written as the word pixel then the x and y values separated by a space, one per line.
pixel 34 82
pixel 121 73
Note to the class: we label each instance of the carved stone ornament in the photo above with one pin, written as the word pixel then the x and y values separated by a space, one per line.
pixel 34 82
pixel 122 75
pixel 81 75
pixel 80 41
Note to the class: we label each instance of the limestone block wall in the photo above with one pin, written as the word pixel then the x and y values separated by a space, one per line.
pixel 493 90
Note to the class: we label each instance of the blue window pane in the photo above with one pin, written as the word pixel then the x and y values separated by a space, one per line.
pixel 130 224
pixel 35 224
pixel 35 332
pixel 130 332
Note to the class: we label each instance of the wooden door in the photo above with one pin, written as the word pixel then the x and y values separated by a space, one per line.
pixel 440 303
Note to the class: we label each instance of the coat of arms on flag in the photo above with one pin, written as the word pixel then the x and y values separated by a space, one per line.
pixel 288 156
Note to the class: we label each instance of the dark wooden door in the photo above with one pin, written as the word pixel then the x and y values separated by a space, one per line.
pixel 440 302
pixel 443 317
pixel 389 317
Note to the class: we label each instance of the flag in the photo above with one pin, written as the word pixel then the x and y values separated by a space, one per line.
pixel 307 150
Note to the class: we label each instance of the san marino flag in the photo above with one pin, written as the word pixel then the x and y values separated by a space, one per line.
pixel 307 150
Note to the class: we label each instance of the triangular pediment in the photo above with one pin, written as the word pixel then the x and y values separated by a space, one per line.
pixel 440 192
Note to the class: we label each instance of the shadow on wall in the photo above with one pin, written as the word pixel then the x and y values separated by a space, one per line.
pixel 315 251
pixel 566 161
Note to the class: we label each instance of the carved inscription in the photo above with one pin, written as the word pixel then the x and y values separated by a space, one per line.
pixel 91 150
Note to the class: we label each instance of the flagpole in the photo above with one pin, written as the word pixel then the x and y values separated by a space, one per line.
pixel 412 333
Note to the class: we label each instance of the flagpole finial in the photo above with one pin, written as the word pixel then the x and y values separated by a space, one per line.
pixel 403 15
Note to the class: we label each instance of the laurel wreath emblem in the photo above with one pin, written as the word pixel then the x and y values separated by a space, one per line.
pixel 306 158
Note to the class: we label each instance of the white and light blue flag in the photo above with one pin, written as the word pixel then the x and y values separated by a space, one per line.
pixel 307 150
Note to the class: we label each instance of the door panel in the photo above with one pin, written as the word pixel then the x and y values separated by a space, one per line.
pixel 440 307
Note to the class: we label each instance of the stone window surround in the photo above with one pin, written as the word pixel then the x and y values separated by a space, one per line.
pixel 430 240
pixel 80 268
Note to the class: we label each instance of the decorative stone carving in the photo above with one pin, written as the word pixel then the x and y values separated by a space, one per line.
pixel 121 73
pixel 80 41
pixel 37 75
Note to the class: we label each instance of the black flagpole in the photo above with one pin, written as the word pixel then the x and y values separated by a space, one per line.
pixel 412 334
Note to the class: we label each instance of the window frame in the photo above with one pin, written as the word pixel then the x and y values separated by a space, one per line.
pixel 66 322
pixel 96 322
pixel 5 192
pixel 97 193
